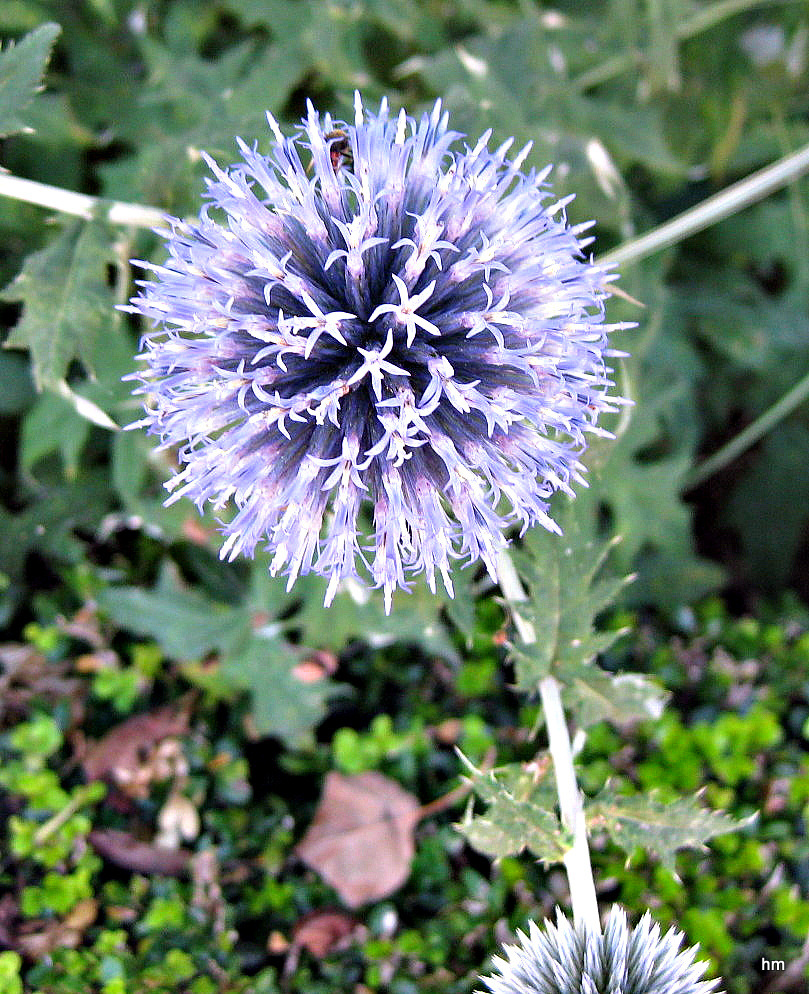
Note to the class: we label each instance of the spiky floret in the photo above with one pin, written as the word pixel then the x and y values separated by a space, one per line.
pixel 562 959
pixel 415 331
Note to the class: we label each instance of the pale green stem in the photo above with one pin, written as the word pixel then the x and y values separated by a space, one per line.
pixel 747 191
pixel 730 200
pixel 571 808
pixel 79 204
pixel 703 20
pixel 734 198
pixel 751 434
pixel 55 822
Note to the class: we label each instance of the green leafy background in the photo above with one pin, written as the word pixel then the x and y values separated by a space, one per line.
pixel 679 99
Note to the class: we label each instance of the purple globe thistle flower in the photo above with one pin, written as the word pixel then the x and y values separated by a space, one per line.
pixel 622 960
pixel 365 318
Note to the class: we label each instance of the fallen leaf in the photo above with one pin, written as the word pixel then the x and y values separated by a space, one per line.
pixel 196 533
pixel 94 662
pixel 83 914
pixel 38 938
pixel 125 750
pixel 28 674
pixel 277 943
pixel 128 852
pixel 85 626
pixel 9 913
pixel 361 838
pixel 324 932
pixel 315 666
pixel 207 898
pixel 449 732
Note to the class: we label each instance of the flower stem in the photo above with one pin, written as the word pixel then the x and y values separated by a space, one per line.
pixel 577 858
pixel 734 198
pixel 747 191
pixel 79 204
pixel 701 21
pixel 751 434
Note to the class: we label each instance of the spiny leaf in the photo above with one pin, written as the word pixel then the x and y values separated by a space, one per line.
pixel 520 813
pixel 190 103
pixel 596 695
pixel 659 827
pixel 779 482
pixel 21 69
pixel 52 425
pixel 564 595
pixel 638 475
pixel 68 305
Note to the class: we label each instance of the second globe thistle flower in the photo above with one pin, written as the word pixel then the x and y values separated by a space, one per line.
pixel 563 959
pixel 366 318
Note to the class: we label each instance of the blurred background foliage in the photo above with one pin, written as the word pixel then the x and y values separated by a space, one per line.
pixel 115 607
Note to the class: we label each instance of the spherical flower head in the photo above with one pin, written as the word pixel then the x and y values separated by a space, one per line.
pixel 562 959
pixel 381 350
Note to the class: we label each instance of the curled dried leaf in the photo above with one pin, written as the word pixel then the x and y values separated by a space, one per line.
pixel 125 850
pixel 134 753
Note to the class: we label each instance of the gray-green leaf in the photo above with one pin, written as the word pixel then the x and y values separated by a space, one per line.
pixel 184 622
pixel 188 624
pixel 520 814
pixel 659 827
pixel 564 596
pixel 21 69
pixel 597 695
pixel 281 703
pixel 67 303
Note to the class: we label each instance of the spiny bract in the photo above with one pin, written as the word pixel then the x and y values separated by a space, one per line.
pixel 622 960
pixel 393 325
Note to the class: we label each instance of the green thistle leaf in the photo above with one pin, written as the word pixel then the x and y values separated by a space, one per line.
pixel 565 597
pixel 68 305
pixel 520 814
pixel 659 827
pixel 21 70
pixel 189 625
pixel 596 695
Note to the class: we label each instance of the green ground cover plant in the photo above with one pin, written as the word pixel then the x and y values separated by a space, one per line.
pixel 169 721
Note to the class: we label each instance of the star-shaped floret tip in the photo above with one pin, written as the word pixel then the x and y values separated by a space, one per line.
pixel 406 311
pixel 375 365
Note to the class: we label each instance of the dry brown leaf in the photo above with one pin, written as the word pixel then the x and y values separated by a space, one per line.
pixel 126 749
pixel 177 822
pixel 324 932
pixel 361 839
pixel 277 943
pixel 25 673
pixel 196 532
pixel 315 666
pixel 85 626
pixel 207 896
pixel 9 913
pixel 130 853
pixel 94 662
pixel 38 938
